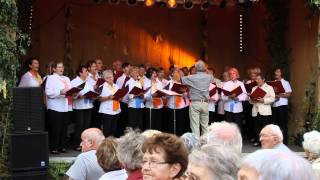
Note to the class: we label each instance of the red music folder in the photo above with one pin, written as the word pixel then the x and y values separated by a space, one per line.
pixel 135 90
pixel 91 94
pixel 249 86
pixel 213 91
pixel 99 82
pixel 237 91
pixel 277 86
pixel 74 90
pixel 120 93
pixel 177 88
pixel 168 92
pixel 257 93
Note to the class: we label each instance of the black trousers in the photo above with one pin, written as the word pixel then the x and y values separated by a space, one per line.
pixel 259 123
pixel 165 119
pixel 123 119
pixel 280 118
pixel 109 123
pixel 212 116
pixel 57 123
pixel 177 123
pixel 187 127
pixel 95 121
pixel 135 118
pixel 234 117
pixel 82 121
pixel 153 119
pixel 249 125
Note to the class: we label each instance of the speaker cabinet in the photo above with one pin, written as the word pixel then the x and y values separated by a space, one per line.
pixel 28 109
pixel 29 151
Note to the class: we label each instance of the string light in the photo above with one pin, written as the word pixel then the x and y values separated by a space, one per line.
pixel 241 33
pixel 30 24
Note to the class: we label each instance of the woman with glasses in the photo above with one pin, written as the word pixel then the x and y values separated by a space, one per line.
pixel 165 157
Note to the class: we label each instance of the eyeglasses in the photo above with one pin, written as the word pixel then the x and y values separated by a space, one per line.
pixel 152 164
pixel 191 176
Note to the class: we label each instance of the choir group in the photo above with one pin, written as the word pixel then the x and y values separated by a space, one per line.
pixel 144 97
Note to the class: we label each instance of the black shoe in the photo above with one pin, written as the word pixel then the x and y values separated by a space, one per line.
pixel 55 152
pixel 256 144
pixel 77 149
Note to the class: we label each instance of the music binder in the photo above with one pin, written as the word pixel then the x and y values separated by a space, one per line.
pixel 257 94
pixel 99 82
pixel 249 86
pixel 120 93
pixel 74 90
pixel 237 91
pixel 136 91
pixel 277 86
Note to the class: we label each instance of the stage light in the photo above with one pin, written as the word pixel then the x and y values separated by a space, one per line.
pixel 149 3
pixel 241 39
pixel 114 2
pixel 188 4
pixel 205 4
pixel 172 3
pixel 132 2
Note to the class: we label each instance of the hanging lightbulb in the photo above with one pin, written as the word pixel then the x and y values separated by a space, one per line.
pixel 149 3
pixel 241 33
pixel 172 3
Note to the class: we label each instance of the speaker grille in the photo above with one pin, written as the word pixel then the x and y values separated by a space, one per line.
pixel 28 109
pixel 29 151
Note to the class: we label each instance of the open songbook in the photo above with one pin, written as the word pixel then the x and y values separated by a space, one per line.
pixel 277 86
pixel 237 91
pixel 136 91
pixel 74 90
pixel 120 93
pixel 249 86
pixel 257 94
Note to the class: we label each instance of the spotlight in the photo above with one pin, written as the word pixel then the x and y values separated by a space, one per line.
pixel 205 4
pixel 149 3
pixel 172 3
pixel 132 2
pixel 114 2
pixel 188 4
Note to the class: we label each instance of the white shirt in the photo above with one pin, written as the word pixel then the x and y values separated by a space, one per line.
pixel 232 105
pixel 106 107
pixel 213 99
pixel 28 80
pixel 56 101
pixel 115 175
pixel 164 82
pixel 119 83
pixel 150 101
pixel 264 108
pixel 84 103
pixel 85 167
pixel 283 101
pixel 177 102
pixel 134 102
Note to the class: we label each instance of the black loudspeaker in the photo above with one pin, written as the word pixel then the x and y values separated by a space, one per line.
pixel 29 151
pixel 28 109
pixel 30 175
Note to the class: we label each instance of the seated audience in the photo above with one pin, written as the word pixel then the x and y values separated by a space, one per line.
pixel 225 134
pixel 150 132
pixel 191 141
pixel 311 146
pixel 165 157
pixel 213 162
pixel 108 161
pixel 86 166
pixel 271 138
pixel 129 152
pixel 273 164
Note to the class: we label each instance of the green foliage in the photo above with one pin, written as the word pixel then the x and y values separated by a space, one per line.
pixel 276 26
pixel 10 50
pixel 58 169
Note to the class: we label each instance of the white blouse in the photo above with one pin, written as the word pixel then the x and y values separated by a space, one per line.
pixel 107 107
pixel 177 102
pixel 83 103
pixel 55 84
pixel 28 80
pixel 283 101
pixel 134 102
pixel 232 105
pixel 120 83
pixel 153 102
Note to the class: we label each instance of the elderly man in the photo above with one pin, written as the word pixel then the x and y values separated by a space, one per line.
pixel 86 166
pixel 225 134
pixel 271 138
pixel 199 94
pixel 129 152
pixel 267 164
pixel 100 67
pixel 213 162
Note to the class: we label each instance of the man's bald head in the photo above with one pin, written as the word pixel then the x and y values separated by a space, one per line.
pixel 91 139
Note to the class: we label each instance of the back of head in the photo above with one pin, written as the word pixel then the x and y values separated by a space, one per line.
pixel 225 134
pixel 107 155
pixel 276 131
pixel 191 141
pixel 129 150
pixel 221 161
pixel 150 132
pixel 200 66
pixel 95 136
pixel 276 164
pixel 311 142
